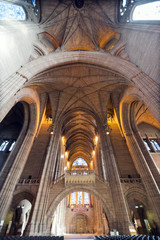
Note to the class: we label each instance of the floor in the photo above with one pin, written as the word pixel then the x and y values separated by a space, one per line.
pixel 79 236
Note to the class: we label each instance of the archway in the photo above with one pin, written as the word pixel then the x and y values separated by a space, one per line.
pixel 79 213
pixel 18 214
pixel 10 129
pixel 139 217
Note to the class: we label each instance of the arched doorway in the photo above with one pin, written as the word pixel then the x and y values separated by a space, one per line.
pixel 17 219
pixel 139 217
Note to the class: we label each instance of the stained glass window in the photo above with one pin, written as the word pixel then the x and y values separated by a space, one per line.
pixel 80 162
pixel 73 198
pixel 79 197
pixel 86 198
pixel 148 11
pixel 9 11
pixel 4 145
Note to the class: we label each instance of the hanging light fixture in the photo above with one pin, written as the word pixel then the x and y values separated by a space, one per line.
pixel 51 128
pixel 108 128
pixel 109 117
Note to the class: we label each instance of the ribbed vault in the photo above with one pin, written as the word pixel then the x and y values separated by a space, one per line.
pixel 79 86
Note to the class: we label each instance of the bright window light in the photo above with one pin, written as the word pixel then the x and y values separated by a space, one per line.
pixel 148 11
pixel 9 11
pixel 80 162
pixel 3 145
pixel 12 145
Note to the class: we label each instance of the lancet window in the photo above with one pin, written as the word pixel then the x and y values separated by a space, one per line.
pixel 3 145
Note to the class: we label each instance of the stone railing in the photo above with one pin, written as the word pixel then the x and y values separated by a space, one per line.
pixel 130 180
pixel 28 181
pixel 79 176
pixel 79 172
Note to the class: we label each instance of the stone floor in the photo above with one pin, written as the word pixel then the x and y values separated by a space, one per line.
pixel 79 236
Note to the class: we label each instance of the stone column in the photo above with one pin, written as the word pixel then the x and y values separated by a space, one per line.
pixel 139 160
pixel 122 220
pixel 99 162
pixel 149 160
pixel 38 224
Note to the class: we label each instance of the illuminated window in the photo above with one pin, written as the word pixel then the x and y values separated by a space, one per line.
pixel 79 197
pixel 79 162
pixel 135 10
pixel 155 145
pixel 12 145
pixel 9 11
pixel 148 11
pixel 73 198
pixel 4 145
pixel 86 198
pixel 147 145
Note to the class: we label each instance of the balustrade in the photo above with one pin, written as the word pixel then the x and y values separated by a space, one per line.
pixel 130 180
pixel 28 181
pixel 79 176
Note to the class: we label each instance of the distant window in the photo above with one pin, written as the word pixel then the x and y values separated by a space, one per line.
pixel 12 145
pixel 79 197
pixel 155 145
pixel 147 146
pixel 80 162
pixel 136 10
pixel 86 198
pixel 147 11
pixel 9 11
pixel 3 145
pixel 73 198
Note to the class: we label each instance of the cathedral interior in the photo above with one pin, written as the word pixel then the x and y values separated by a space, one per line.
pixel 79 117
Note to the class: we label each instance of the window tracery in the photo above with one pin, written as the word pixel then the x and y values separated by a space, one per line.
pixel 79 162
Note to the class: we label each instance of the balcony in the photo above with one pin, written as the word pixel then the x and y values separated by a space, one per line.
pixel 79 177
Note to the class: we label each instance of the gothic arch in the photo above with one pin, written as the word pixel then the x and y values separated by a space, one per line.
pixel 106 203
pixel 118 65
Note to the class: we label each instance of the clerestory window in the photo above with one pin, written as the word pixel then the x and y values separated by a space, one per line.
pixel 155 145
pixel 3 145
pixel 152 145
pixel 139 11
